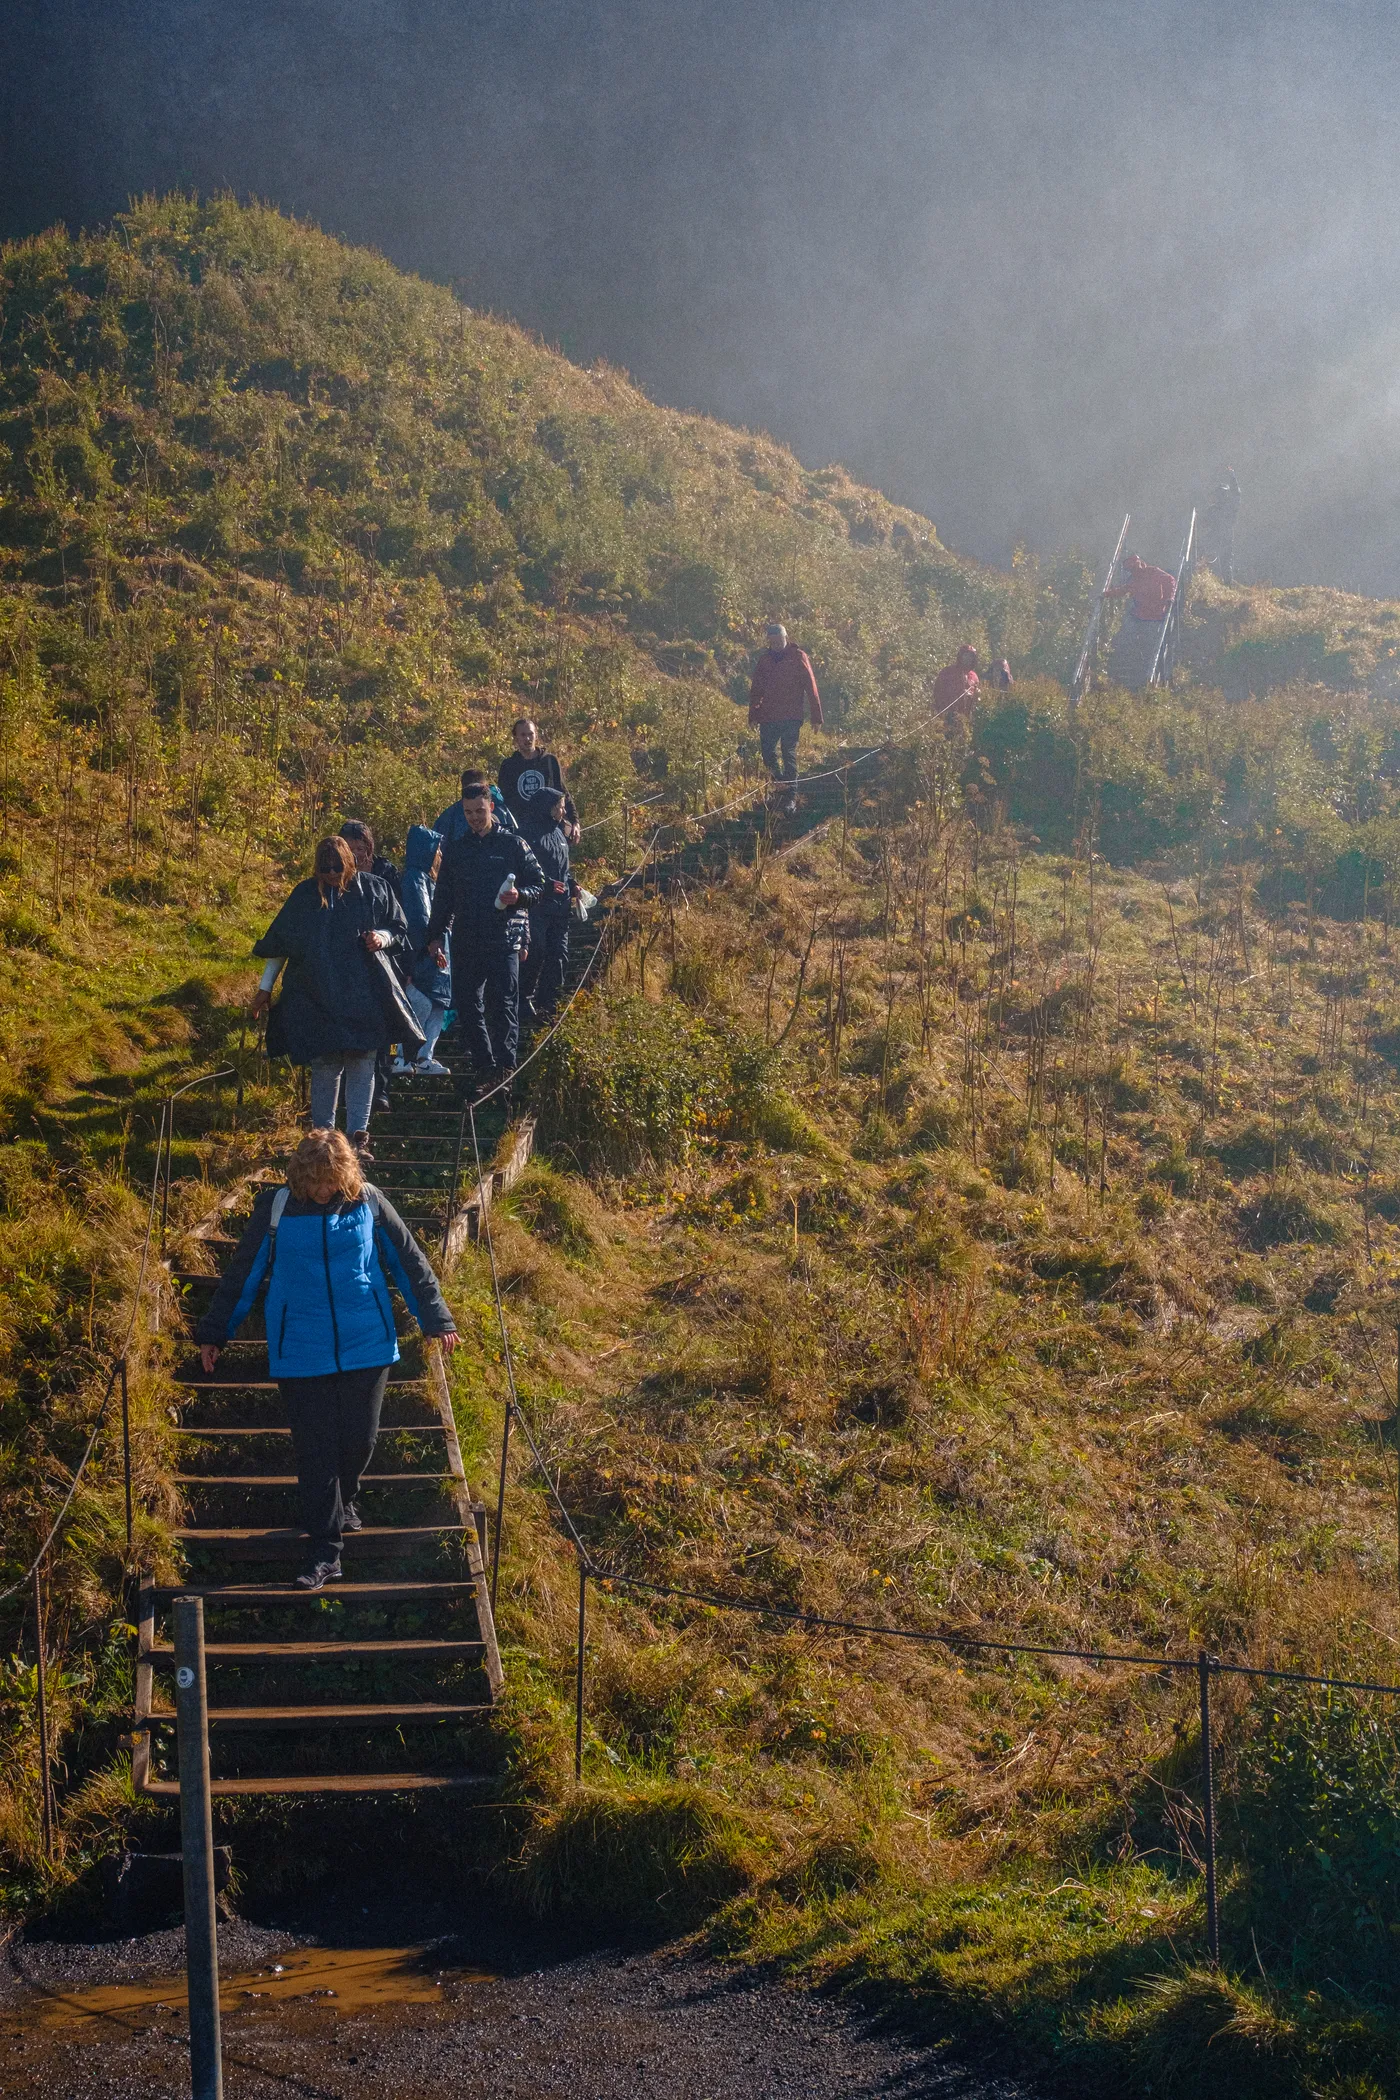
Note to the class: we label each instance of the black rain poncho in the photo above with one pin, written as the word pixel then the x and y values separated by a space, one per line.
pixel 331 1004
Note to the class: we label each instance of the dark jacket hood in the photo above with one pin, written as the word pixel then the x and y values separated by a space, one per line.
pixel 421 847
pixel 537 816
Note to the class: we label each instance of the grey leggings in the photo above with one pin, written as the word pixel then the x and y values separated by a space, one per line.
pixel 358 1067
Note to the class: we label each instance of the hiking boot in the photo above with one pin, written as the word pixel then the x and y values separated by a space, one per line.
pixel 319 1574
pixel 789 808
pixel 363 1154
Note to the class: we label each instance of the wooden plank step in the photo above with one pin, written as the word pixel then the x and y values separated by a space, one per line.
pixel 244 1543
pixel 334 1783
pixel 289 1480
pixel 313 1651
pixel 416 1714
pixel 190 1384
pixel 245 1595
pixel 422 1428
pixel 280 1429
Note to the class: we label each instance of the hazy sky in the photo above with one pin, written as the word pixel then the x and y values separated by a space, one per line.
pixel 1023 263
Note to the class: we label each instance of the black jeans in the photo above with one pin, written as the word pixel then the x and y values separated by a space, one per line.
pixel 770 735
pixel 542 978
pixel 335 1420
pixel 486 994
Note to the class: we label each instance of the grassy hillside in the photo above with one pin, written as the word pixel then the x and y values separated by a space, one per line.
pixel 982 1214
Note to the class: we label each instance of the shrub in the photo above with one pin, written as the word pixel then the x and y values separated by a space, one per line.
pixel 661 1861
pixel 625 1083
pixel 1283 1215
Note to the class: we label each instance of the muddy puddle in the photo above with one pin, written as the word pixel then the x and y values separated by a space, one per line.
pixel 341 1979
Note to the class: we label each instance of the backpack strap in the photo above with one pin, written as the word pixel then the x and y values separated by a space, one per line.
pixel 279 1204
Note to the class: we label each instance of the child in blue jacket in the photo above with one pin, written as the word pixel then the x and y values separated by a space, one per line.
pixel 542 977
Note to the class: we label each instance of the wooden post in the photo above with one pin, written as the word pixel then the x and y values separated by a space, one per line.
pixel 1208 1811
pixel 45 1774
pixel 197 1845
pixel 126 1457
pixel 578 1682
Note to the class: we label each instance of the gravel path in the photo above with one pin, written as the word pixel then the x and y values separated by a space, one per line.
pixel 600 2026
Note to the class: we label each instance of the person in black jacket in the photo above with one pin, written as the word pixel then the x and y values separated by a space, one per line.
pixel 542 978
pixel 333 1012
pixel 325 1249
pixel 489 877
pixel 360 839
pixel 528 771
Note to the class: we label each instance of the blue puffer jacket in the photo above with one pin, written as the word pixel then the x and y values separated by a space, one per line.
pixel 327 1305
pixel 417 900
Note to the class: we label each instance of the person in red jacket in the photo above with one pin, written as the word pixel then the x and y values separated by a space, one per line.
pixel 956 687
pixel 1149 591
pixel 783 687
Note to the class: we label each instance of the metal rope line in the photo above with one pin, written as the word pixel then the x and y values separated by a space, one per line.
pixel 763 788
pixel 516 1410
pixel 976 1642
pixel 55 1527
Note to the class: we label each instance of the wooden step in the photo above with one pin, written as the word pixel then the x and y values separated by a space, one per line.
pixel 418 1714
pixel 289 1480
pixel 252 1595
pixel 281 1429
pixel 269 1543
pixel 265 1385
pixel 314 1651
pixel 335 1783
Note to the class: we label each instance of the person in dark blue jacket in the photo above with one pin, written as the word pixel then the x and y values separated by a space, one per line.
pixel 429 985
pixel 323 1250
pixel 489 879
pixel 543 824
pixel 452 821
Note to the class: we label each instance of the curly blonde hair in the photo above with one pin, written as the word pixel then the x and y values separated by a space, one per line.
pixel 325 1161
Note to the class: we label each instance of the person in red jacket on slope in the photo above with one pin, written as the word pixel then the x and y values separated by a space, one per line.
pixel 783 687
pixel 1149 591
pixel 956 687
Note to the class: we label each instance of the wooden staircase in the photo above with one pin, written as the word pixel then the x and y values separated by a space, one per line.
pixel 383 1681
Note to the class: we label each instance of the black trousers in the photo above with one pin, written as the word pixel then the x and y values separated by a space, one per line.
pixel 542 978
pixel 486 994
pixel 334 1422
pixel 770 735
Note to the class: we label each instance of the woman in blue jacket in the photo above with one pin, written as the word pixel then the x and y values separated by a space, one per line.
pixel 324 1248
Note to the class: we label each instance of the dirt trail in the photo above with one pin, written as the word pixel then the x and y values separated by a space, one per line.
pixel 106 2022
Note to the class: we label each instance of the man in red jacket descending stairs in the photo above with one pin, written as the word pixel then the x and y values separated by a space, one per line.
pixel 783 686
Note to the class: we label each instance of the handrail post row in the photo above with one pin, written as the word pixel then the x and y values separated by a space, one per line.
pixel 126 1455
pixel 578 1680
pixel 450 1210
pixel 197 1848
pixel 168 1130
pixel 46 1804
pixel 1203 1665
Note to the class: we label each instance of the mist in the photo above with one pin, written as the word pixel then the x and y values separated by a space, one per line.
pixel 1023 266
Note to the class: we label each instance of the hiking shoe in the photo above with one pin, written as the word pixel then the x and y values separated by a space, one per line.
pixel 398 1069
pixel 350 1518
pixel 360 1141
pixel 789 808
pixel 319 1574
pixel 429 1068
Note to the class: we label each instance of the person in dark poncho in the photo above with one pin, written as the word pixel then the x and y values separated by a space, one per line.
pixel 429 985
pixel 324 1250
pixel 543 824
pixel 332 1014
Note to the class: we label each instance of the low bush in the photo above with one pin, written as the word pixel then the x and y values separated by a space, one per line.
pixel 625 1083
